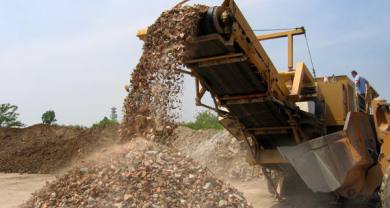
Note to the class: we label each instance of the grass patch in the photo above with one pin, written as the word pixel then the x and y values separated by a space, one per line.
pixel 104 123
pixel 204 120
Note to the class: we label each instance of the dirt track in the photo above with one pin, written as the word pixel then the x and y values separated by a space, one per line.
pixel 17 188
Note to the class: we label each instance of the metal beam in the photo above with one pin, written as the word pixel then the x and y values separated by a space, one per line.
pixel 269 157
pixel 297 31
pixel 289 34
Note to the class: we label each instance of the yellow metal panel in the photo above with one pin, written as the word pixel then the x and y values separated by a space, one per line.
pixel 268 157
pixel 302 76
pixel 339 97
pixel 335 109
pixel 297 31
pixel 255 52
pixel 384 158
pixel 382 118
pixel 289 35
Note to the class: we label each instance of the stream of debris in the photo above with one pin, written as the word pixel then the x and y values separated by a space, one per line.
pixel 154 100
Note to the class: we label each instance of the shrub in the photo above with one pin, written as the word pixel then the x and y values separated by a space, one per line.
pixel 205 120
pixel 76 126
pixel 104 123
pixel 49 117
pixel 8 116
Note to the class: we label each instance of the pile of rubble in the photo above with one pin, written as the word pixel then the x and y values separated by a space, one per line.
pixel 153 103
pixel 48 148
pixel 142 174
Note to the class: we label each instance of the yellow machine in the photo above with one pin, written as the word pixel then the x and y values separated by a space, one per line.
pixel 290 120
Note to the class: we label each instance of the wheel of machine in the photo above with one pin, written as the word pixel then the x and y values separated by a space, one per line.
pixel 385 190
pixel 210 23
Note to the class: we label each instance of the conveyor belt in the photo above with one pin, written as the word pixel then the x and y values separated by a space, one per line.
pixel 230 77
pixel 226 71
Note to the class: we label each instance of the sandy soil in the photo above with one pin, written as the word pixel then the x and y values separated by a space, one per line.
pixel 17 188
pixel 255 191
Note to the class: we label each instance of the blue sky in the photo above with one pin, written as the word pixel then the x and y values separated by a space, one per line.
pixel 74 57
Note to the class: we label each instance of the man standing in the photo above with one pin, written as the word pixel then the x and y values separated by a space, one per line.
pixel 361 88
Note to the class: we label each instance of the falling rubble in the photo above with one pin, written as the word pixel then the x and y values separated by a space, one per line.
pixel 154 100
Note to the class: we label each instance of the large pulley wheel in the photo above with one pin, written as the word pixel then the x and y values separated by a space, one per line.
pixel 385 190
pixel 211 23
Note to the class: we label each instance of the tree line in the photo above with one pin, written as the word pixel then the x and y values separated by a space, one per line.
pixel 9 118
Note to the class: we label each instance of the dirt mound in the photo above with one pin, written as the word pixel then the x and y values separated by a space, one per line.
pixel 217 150
pixel 153 102
pixel 141 174
pixel 45 149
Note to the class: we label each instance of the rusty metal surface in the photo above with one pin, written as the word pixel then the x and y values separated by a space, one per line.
pixel 337 161
pixel 259 114
pixel 234 78
pixel 208 46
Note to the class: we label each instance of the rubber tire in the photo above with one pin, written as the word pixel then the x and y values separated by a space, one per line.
pixel 385 190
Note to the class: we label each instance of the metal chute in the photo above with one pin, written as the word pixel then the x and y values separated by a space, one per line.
pixel 331 162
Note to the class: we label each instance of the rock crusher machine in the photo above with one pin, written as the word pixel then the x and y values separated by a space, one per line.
pixel 291 121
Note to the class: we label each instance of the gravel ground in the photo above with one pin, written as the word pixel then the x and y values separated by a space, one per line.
pixel 141 174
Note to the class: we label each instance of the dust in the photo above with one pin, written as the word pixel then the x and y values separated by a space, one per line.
pixel 219 151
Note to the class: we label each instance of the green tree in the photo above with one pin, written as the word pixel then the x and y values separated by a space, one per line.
pixel 104 122
pixel 49 117
pixel 8 116
pixel 205 120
